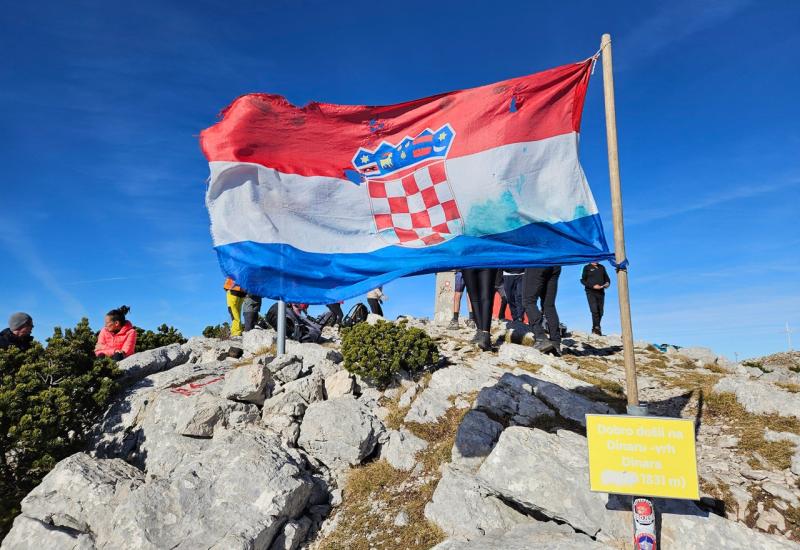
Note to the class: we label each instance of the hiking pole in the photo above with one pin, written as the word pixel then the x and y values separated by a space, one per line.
pixel 644 524
pixel 281 327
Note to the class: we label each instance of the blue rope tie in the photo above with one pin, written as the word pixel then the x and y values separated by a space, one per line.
pixel 622 266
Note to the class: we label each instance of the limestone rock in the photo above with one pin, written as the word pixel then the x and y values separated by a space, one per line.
pixel 31 534
pixel 760 397
pixel 475 513
pixel 401 449
pixel 549 473
pixel 293 534
pixel 249 383
pixel 313 353
pixel 311 388
pixel 475 438
pixel 568 404
pixel 373 318
pixel 236 494
pixel 200 416
pixel 511 400
pixel 142 364
pixel 78 492
pixel 434 401
pixel 339 384
pixel 702 356
pixel 526 537
pixel 258 341
pixel 339 432
pixel 287 368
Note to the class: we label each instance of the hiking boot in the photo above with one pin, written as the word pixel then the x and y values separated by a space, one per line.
pixel 484 340
pixel 545 346
pixel 556 348
pixel 453 324
pixel 476 338
pixel 597 331
pixel 471 323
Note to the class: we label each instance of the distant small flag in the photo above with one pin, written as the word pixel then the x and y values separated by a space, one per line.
pixel 324 202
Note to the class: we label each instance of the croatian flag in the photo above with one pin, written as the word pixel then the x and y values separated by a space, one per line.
pixel 321 203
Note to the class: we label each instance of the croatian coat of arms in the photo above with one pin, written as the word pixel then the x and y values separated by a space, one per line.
pixel 413 204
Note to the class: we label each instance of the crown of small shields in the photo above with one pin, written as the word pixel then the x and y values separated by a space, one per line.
pixel 388 158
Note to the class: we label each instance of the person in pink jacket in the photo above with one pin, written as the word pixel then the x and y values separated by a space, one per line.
pixel 118 337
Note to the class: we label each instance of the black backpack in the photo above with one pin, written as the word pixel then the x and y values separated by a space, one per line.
pixel 327 319
pixel 357 314
pixel 298 327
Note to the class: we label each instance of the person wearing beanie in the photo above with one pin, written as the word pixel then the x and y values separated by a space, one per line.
pixel 18 333
pixel 117 339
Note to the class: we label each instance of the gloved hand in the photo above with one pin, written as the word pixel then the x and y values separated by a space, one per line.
pixel 118 356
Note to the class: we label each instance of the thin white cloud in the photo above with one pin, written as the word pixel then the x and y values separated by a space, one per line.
pixel 24 249
pixel 675 208
pixel 674 22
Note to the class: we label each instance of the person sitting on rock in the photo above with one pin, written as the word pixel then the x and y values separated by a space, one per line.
pixel 117 339
pixel 18 333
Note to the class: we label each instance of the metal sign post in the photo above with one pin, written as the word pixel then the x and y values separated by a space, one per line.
pixel 281 327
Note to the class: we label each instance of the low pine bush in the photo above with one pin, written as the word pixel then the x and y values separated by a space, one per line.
pixel 378 352
pixel 164 336
pixel 49 399
pixel 222 331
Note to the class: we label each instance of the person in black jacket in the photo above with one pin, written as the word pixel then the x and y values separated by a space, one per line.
pixel 595 281
pixel 18 333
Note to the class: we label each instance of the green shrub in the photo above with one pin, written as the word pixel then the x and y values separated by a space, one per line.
pixel 164 336
pixel 49 400
pixel 378 352
pixel 218 331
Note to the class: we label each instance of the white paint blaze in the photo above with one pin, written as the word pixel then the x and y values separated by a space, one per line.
pixel 496 190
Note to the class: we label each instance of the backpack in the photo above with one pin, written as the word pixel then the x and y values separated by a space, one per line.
pixel 327 319
pixel 357 314
pixel 562 328
pixel 299 328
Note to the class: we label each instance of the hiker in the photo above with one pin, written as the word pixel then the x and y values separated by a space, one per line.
pixel 299 309
pixel 338 314
pixel 117 338
pixel 18 333
pixel 498 286
pixel 542 282
pixel 234 297
pixel 595 281
pixel 374 299
pixel 512 283
pixel 458 291
pixel 251 306
pixel 480 287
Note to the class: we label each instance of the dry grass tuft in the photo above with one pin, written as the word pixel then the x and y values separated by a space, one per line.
pixel 373 496
pixel 529 367
pixel 750 428
pixel 789 386
pixel 713 367
pixel 375 493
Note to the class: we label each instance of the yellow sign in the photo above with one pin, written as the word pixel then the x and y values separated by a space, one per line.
pixel 642 456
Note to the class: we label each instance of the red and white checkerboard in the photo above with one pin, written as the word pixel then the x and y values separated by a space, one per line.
pixel 417 209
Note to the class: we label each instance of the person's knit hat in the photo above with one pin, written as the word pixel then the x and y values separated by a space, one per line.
pixel 19 320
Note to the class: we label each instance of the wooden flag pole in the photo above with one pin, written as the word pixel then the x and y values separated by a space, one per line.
pixel 619 231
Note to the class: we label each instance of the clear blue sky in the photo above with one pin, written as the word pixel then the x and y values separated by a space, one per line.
pixel 101 104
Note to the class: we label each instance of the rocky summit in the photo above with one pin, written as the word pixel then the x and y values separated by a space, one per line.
pixel 219 444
